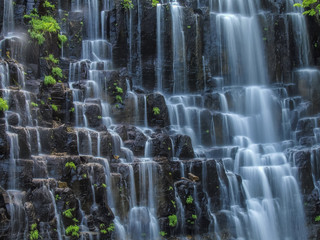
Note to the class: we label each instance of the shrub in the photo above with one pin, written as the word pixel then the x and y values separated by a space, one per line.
pixel 49 80
pixel 71 165
pixel 52 59
pixel 34 234
pixel 127 4
pixel 156 111
pixel 119 98
pixel 73 230
pixel 189 199
pixel 33 104
pixel 119 89
pixel 313 7
pixel 56 71
pixel 173 220
pixel 68 213
pixel 3 105
pixel 154 3
pixel 54 107
pixel 41 25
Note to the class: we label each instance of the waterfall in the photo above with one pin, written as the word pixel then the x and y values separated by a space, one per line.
pixel 222 150
pixel 8 17
pixel 180 82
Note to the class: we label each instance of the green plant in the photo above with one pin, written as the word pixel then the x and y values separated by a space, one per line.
pixel 119 98
pixel 127 4
pixel 104 185
pixel 3 105
pixel 154 3
pixel 99 117
pixel 41 25
pixel 52 59
pixel 47 4
pixel 162 233
pixel 313 7
pixel 173 220
pixel 56 71
pixel 54 107
pixel 68 213
pixel 73 230
pixel 75 220
pixel 317 218
pixel 34 234
pixel 189 199
pixel 105 230
pixel 62 38
pixel 71 110
pixel 119 90
pixel 194 216
pixel 71 165
pixel 111 227
pixel 84 175
pixel 49 80
pixel 156 111
pixel 173 203
pixel 170 188
pixel 33 104
pixel 57 197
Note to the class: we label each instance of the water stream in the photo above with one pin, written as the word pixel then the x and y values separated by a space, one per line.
pixel 238 127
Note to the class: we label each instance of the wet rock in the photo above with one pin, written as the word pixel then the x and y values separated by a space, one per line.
pixel 157 111
pixel 183 147
pixel 13 119
pixel 135 141
pixel 302 160
pixel 4 147
pixel 24 147
pixel 160 145
pixel 75 28
pixel 93 114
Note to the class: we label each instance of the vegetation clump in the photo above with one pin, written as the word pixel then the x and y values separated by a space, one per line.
pixel 156 111
pixel 312 6
pixel 71 165
pixel 173 220
pixel 189 199
pixel 127 4
pixel 34 233
pixel 3 105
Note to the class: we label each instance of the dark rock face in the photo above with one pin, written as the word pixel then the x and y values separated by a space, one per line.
pixel 183 147
pixel 133 139
pixel 157 110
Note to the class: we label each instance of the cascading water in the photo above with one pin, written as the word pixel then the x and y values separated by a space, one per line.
pixel 208 162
